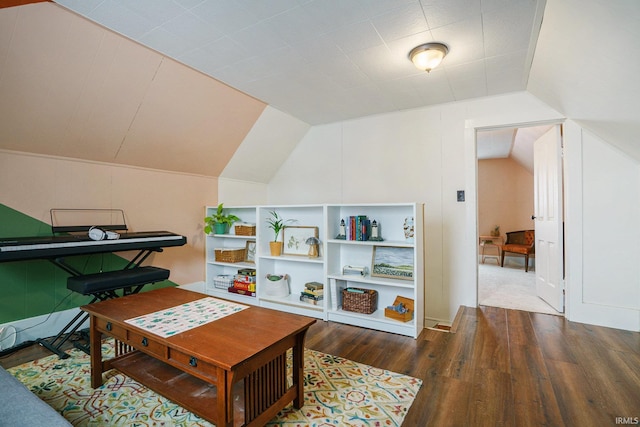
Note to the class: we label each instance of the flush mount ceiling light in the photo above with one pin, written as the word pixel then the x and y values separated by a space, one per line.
pixel 428 56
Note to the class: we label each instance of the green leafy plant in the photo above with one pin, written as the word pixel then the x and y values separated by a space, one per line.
pixel 219 217
pixel 276 223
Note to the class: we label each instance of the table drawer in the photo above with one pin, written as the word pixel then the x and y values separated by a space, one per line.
pixel 147 345
pixel 111 329
pixel 192 364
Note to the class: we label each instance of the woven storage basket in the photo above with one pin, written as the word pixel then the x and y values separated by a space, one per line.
pixel 223 281
pixel 229 255
pixel 366 302
pixel 245 230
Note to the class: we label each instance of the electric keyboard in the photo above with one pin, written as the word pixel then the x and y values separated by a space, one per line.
pixel 48 247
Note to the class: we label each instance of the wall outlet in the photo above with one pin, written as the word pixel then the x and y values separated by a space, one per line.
pixel 460 195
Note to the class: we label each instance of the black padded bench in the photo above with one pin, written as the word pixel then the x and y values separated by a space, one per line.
pixel 103 286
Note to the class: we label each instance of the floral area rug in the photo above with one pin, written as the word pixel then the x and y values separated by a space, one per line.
pixel 338 392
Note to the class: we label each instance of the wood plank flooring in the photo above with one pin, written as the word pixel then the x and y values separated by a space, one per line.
pixel 501 368
pixel 504 368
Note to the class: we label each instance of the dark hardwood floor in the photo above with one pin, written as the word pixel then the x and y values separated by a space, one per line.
pixel 500 368
pixel 504 368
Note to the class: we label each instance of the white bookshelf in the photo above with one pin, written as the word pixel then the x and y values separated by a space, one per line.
pixel 327 268
pixel 390 219
pixel 300 268
pixel 228 241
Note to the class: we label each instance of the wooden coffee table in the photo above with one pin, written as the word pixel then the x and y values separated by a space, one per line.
pixel 231 371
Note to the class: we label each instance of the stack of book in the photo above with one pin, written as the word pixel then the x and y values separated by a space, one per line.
pixel 358 228
pixel 244 283
pixel 313 293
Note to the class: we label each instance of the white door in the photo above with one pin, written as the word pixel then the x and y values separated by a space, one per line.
pixel 547 176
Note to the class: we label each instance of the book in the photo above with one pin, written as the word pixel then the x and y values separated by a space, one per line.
pixel 310 300
pixel 234 290
pixel 313 285
pixel 366 229
pixel 244 286
pixel 333 288
pixel 314 292
pixel 245 278
pixel 311 296
pixel 247 271
pixel 360 233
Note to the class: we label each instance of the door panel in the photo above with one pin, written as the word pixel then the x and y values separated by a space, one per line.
pixel 547 155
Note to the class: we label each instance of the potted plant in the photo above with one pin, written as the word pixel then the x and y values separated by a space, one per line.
pixel 219 221
pixel 276 224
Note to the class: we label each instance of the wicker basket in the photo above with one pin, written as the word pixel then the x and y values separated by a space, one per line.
pixel 245 230
pixel 229 255
pixel 365 302
pixel 223 281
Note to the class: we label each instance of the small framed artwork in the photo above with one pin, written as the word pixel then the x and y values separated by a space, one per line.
pixel 250 252
pixel 392 262
pixel 295 239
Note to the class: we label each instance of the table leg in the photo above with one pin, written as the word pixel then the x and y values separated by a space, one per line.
pixel 96 353
pixel 298 370
pixel 225 398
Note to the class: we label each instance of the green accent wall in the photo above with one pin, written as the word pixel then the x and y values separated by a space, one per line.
pixel 37 287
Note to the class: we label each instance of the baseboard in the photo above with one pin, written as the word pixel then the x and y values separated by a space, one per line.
pixel 438 324
pixel 48 325
pixel 43 326
pixel 195 287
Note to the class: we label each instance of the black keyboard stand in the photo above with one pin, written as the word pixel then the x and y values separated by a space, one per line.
pixel 102 286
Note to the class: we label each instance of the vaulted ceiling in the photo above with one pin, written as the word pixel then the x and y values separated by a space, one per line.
pixel 330 60
pixel 179 84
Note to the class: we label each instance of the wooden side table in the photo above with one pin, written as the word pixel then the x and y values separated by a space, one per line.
pixel 494 244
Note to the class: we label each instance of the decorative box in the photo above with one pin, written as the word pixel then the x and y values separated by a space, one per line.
pixel 229 255
pixel 403 317
pixel 359 300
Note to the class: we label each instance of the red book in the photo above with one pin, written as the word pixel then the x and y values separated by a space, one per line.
pixel 241 292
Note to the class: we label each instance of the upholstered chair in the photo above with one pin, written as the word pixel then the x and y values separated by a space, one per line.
pixel 520 242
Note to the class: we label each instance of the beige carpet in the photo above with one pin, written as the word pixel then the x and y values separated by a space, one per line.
pixel 509 287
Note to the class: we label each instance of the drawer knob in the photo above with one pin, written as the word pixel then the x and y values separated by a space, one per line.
pixel 193 361
pixel 109 326
pixel 145 342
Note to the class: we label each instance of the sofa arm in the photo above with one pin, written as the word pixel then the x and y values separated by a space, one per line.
pixel 20 407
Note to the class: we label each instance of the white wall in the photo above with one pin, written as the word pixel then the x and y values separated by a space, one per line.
pixel 505 196
pixel 602 231
pixel 414 156
pixel 425 155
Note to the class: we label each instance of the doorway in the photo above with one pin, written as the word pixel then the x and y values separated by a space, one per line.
pixel 505 203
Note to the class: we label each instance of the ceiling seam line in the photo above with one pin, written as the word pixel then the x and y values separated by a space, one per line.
pixel 133 119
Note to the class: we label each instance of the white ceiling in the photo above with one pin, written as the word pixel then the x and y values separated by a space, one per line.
pixel 330 60
pixel 516 143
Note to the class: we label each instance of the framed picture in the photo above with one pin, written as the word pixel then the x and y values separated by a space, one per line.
pixel 250 252
pixel 295 239
pixel 392 262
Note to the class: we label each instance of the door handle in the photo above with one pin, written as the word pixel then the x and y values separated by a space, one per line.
pixel 533 217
